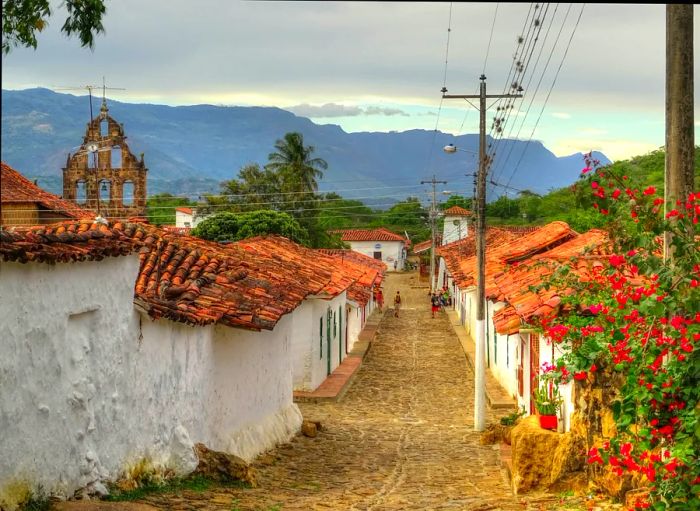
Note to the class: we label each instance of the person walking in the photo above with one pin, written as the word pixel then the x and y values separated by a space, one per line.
pixel 397 304
pixel 435 304
pixel 380 299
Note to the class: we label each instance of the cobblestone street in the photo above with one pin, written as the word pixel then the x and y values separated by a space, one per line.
pixel 401 438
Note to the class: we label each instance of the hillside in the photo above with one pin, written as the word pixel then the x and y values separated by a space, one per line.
pixel 190 149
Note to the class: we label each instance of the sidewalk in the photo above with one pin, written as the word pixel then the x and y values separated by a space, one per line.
pixel 496 395
pixel 334 387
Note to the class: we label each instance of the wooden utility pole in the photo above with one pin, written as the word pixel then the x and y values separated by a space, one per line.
pixel 480 239
pixel 433 219
pixel 680 125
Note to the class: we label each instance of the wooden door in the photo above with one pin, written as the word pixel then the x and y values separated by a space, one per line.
pixel 534 367
pixel 520 365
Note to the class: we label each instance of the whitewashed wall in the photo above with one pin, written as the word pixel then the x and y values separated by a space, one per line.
pixel 310 346
pixel 355 325
pixel 305 334
pixel 391 251
pixel 89 386
pixel 452 232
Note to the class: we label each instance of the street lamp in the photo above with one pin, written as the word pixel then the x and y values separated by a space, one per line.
pixel 480 341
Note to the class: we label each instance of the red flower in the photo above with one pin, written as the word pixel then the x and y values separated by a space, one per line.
pixel 650 191
pixel 581 375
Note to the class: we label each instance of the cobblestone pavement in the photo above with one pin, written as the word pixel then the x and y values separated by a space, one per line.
pixel 401 438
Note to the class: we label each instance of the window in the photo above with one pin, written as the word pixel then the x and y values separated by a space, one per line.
pixel 378 255
pixel 104 191
pixel 128 193
pixel 80 192
pixel 320 337
pixel 104 128
pixel 116 157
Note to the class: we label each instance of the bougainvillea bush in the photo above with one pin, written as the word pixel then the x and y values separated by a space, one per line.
pixel 635 317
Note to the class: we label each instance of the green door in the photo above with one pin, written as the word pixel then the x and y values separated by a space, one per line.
pixel 340 333
pixel 329 318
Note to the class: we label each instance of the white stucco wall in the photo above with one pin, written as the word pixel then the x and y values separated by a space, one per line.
pixel 183 219
pixel 89 386
pixel 310 344
pixel 355 325
pixel 305 333
pixel 391 251
pixel 452 232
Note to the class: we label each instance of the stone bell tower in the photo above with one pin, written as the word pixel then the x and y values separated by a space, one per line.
pixel 103 175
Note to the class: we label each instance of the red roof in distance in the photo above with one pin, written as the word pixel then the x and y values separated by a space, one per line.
pixel 379 234
pixel 457 211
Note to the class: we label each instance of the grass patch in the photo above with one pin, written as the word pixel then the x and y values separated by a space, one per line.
pixel 175 485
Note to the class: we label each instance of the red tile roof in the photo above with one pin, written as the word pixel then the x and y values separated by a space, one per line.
pixel 249 284
pixel 176 230
pixel 184 210
pixel 457 211
pixel 17 189
pixel 68 242
pixel 422 246
pixel 379 234
pixel 512 285
pixel 371 272
pixel 502 247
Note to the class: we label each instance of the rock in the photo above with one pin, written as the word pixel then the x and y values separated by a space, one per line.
pixel 309 429
pixel 496 433
pixel 535 452
pixel 569 457
pixel 183 459
pixel 223 467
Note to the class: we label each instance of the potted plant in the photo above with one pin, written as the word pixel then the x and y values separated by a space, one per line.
pixel 547 403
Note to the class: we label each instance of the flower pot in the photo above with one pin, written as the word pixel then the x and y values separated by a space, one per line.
pixel 548 421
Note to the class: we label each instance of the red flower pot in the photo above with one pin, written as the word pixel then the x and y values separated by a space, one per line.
pixel 548 421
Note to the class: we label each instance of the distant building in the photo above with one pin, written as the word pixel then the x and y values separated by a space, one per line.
pixel 381 244
pixel 23 203
pixel 187 217
pixel 103 175
pixel 456 224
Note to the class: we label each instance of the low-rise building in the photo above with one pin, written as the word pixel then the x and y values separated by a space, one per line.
pixel 380 244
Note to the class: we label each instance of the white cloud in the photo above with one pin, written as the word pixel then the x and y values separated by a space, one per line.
pixel 613 149
pixel 336 110
pixel 561 115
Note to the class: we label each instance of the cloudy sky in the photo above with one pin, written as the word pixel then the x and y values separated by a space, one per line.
pixel 379 66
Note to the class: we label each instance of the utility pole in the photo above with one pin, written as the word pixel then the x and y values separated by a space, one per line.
pixel 433 218
pixel 480 239
pixel 680 127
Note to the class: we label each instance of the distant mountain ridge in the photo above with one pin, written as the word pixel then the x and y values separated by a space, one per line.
pixel 190 149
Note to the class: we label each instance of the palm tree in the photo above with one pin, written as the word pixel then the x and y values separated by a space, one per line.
pixel 295 163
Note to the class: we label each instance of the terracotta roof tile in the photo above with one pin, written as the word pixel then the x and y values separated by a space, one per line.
pixel 17 189
pixel 371 272
pixel 379 234
pixel 184 209
pixel 503 247
pixel 249 284
pixel 457 211
pixel 68 242
pixel 176 230
pixel 512 285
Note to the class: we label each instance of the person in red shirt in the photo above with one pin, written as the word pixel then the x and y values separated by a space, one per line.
pixel 380 299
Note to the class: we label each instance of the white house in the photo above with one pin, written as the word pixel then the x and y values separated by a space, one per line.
pixel 380 244
pixel 103 374
pixel 514 352
pixel 187 217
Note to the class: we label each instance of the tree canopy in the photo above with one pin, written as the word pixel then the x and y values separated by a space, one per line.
pixel 22 19
pixel 230 226
pixel 160 208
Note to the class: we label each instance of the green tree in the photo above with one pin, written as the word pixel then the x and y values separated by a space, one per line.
pixel 22 19
pixel 503 207
pixel 295 165
pixel 230 226
pixel 160 208
pixel 409 216
pixel 335 212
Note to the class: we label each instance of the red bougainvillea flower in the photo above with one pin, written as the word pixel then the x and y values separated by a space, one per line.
pixel 650 191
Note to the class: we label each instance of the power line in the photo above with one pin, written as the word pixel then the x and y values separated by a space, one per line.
pixel 566 52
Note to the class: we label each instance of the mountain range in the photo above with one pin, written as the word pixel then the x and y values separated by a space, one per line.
pixel 191 149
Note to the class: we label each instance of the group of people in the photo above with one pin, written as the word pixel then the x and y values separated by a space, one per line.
pixel 438 300
pixel 379 299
